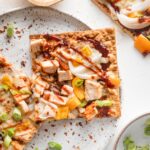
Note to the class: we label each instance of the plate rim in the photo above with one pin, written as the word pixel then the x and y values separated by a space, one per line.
pixel 53 9
pixel 126 127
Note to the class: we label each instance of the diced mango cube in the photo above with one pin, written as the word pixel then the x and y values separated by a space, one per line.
pixel 7 80
pixel 78 91
pixel 142 44
pixel 115 81
pixel 73 103
pixel 77 62
pixel 62 113
pixel 86 51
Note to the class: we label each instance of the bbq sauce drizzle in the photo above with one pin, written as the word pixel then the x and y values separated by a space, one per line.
pixel 98 46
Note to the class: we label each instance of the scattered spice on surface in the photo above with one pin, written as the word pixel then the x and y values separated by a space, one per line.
pixel 65 133
pixel 30 26
pixel 53 125
pixel 23 63
pixel 46 130
pixel 90 136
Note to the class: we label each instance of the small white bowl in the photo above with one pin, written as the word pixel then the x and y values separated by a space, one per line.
pixel 135 129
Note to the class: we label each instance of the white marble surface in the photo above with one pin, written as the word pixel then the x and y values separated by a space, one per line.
pixel 134 68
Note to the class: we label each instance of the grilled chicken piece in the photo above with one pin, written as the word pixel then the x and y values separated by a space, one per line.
pixel 39 87
pixel 36 45
pixel 90 111
pixel 50 66
pixel 57 99
pixel 45 110
pixel 24 106
pixel 66 90
pixel 93 90
pixel 64 75
pixel 25 132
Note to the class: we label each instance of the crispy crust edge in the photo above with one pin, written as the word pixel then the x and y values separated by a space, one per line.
pixel 116 110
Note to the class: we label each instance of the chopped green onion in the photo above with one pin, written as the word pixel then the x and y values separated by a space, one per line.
pixel 147 127
pixel 25 92
pixel 10 30
pixel 147 130
pixel 14 92
pixel 147 122
pixel 4 133
pixel 104 103
pixel 145 147
pixel 129 144
pixel 54 146
pixel 3 117
pixel 11 132
pixel 148 37
pixel 17 114
pixel 83 104
pixel 7 141
pixel 78 82
pixel 4 87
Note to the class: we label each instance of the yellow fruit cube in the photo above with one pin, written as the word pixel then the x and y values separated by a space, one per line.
pixel 7 80
pixel 78 91
pixel 142 44
pixel 73 103
pixel 62 113
pixel 86 51
pixel 115 81
pixel 77 62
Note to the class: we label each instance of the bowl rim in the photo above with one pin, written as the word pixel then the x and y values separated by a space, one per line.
pixel 125 128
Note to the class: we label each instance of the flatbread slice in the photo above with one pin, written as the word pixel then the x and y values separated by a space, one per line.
pixel 16 127
pixel 133 17
pixel 75 75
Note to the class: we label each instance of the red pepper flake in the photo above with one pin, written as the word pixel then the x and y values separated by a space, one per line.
pixel 23 63
pixel 53 125
pixel 90 136
pixel 65 133
pixel 30 26
pixel 25 18
pixel 2 30
pixel 18 32
pixel 46 130
pixel 80 124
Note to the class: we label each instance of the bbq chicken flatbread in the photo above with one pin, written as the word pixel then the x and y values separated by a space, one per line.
pixel 16 129
pixel 75 75
pixel 133 16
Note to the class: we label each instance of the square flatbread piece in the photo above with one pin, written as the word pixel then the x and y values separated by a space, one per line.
pixel 75 75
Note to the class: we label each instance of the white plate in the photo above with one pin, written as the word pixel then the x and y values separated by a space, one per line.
pixel 75 134
pixel 135 129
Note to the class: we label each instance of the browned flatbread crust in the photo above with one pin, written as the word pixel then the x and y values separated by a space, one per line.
pixel 132 33
pixel 105 36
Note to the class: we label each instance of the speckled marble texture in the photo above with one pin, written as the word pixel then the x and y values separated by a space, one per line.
pixel 76 134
